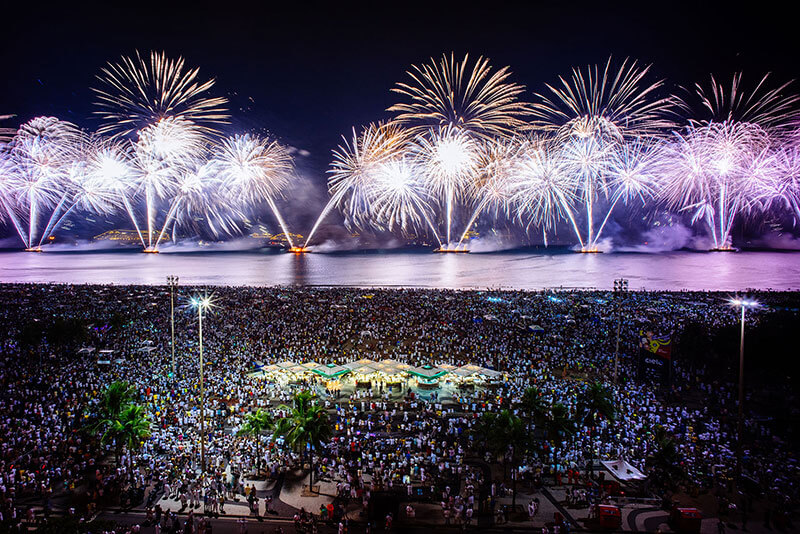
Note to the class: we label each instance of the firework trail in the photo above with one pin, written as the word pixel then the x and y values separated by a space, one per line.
pixel 450 93
pixel 542 191
pixel 375 183
pixel 772 109
pixel 255 169
pixel 43 153
pixel 136 93
pixel 724 164
pixel 109 162
pixel 201 193
pixel 6 133
pixel 633 173
pixel 593 113
pixel 449 158
pixel 605 102
pixel 779 186
pixel 711 171
pixel 498 161
pixel 158 158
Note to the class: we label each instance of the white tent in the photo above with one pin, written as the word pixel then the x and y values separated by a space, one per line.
pixel 623 471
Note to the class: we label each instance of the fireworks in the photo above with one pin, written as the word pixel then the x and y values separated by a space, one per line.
pixel 136 93
pixel 770 109
pixel 542 191
pixel 6 133
pixel 376 182
pixel 458 155
pixel 448 93
pixel 712 172
pixel 606 103
pixel 254 170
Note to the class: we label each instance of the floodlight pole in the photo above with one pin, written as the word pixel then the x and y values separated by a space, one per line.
pixel 740 423
pixel 620 290
pixel 202 397
pixel 172 282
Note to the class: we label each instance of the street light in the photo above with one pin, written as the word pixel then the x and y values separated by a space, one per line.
pixel 620 290
pixel 742 303
pixel 172 282
pixel 202 303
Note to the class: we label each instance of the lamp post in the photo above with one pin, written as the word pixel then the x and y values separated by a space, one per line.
pixel 743 304
pixel 202 303
pixel 172 282
pixel 620 290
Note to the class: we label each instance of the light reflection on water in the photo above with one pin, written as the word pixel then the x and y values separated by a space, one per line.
pixel 513 269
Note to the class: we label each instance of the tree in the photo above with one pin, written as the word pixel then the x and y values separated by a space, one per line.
pixel 115 398
pixel 113 401
pixel 305 427
pixel 665 460
pixel 255 424
pixel 533 406
pixel 558 422
pixel 131 428
pixel 504 433
pixel 595 401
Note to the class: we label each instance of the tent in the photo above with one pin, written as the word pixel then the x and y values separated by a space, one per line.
pixel 426 371
pixel 331 371
pixel 363 362
pixel 623 471
pixel 535 328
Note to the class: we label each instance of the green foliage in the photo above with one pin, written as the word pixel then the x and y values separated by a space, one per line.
pixel 119 419
pixel 500 431
pixel 596 400
pixel 255 424
pixel 306 424
pixel 665 460
pixel 533 405
pixel 559 423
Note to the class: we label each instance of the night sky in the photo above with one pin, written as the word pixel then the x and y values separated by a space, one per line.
pixel 307 73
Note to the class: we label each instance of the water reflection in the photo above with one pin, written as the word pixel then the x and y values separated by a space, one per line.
pixel 515 269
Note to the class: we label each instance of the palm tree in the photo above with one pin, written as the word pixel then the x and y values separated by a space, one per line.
pixel 255 424
pixel 558 422
pixel 533 406
pixel 505 433
pixel 305 427
pixel 595 401
pixel 511 433
pixel 114 399
pixel 131 428
pixel 665 460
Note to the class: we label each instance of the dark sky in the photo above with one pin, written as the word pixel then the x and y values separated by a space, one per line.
pixel 313 71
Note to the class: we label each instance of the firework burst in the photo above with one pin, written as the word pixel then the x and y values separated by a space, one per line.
pixel 450 93
pixel 542 190
pixel 449 159
pixel 605 102
pixel 255 169
pixel 712 172
pixel 772 109
pixel 136 92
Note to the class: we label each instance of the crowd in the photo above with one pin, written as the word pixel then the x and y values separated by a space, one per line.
pixel 412 441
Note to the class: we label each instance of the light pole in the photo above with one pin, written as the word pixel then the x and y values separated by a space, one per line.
pixel 742 303
pixel 620 290
pixel 172 282
pixel 202 303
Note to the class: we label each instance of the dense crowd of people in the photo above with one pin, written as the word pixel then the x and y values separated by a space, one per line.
pixel 403 439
